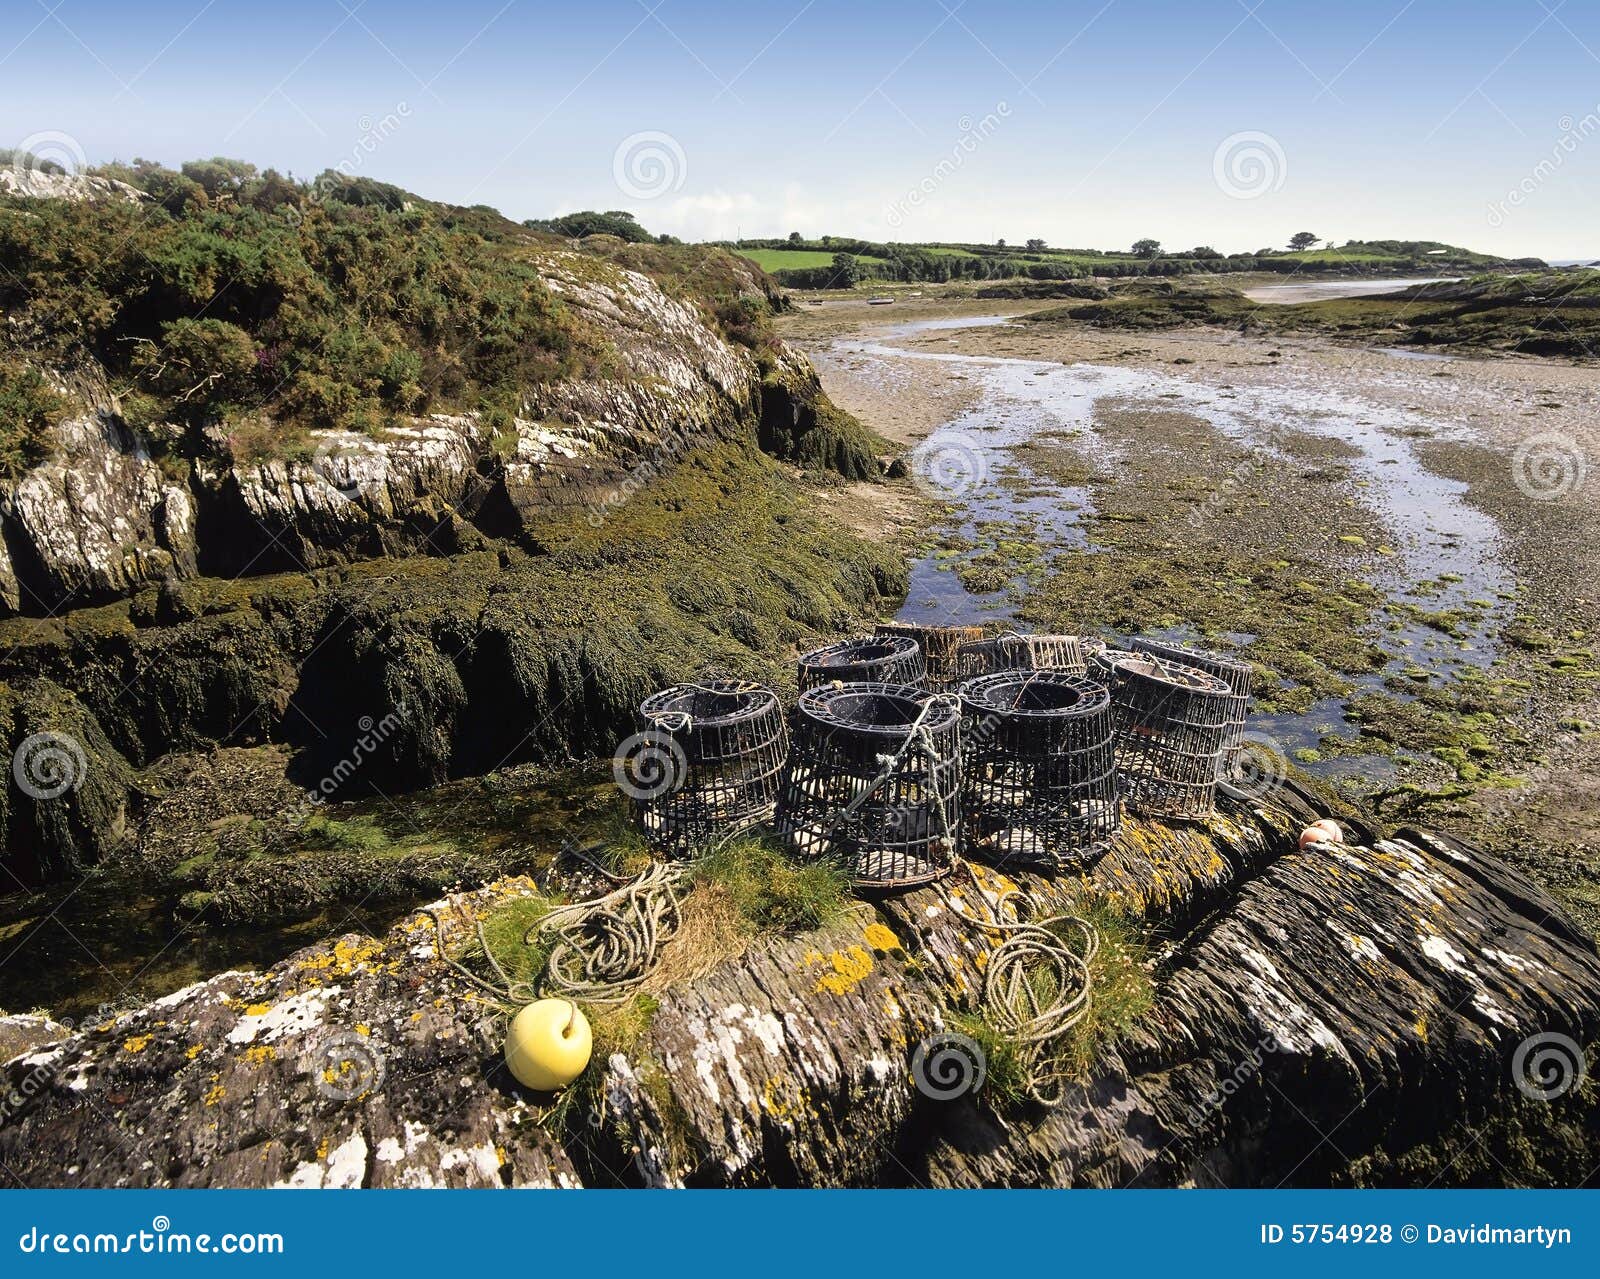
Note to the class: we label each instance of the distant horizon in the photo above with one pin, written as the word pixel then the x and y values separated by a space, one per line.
pixel 1088 124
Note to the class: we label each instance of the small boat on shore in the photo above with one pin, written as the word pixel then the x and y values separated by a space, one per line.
pixel 880 301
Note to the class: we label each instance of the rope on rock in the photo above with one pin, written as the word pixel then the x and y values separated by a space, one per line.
pixel 607 946
pixel 1036 987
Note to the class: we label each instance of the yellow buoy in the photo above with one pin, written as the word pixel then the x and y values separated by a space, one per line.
pixel 548 1044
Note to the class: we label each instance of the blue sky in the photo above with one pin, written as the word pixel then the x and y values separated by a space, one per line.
pixel 1223 122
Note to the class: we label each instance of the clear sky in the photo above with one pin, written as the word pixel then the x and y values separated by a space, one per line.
pixel 1088 124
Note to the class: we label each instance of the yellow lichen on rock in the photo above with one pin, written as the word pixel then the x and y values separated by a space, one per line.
pixel 137 1044
pixel 847 969
pixel 882 937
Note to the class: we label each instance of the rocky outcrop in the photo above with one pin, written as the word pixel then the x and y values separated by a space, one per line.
pixel 1315 1011
pixel 101 517
pixel 38 184
pixel 97 520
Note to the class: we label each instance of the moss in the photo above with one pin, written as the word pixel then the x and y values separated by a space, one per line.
pixel 772 892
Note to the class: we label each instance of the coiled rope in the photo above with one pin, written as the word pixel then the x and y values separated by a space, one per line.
pixel 1036 987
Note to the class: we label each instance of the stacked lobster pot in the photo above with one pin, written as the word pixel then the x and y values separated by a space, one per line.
pixel 1040 784
pixel 1172 726
pixel 1103 662
pixel 705 763
pixel 874 659
pixel 1237 675
pixel 940 647
pixel 1014 652
pixel 873 779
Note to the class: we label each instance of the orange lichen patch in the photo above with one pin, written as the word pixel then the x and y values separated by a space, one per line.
pixel 260 1053
pixel 881 937
pixel 323 1147
pixel 846 969
pixel 215 1096
pixel 193 1051
pixel 256 1010
pixel 137 1044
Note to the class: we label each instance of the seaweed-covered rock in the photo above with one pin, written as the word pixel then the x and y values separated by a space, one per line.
pixel 1318 1014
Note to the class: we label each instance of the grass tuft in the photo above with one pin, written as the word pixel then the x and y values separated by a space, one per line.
pixel 771 892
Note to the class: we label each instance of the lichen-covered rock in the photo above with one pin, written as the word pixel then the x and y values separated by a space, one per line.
pixel 1314 1011
pixel 94 522
pixel 38 184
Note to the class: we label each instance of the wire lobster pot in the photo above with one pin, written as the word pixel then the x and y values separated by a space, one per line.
pixel 1039 771
pixel 874 779
pixel 1020 653
pixel 1237 675
pixel 1172 721
pixel 940 647
pixel 872 659
pixel 1103 664
pixel 706 761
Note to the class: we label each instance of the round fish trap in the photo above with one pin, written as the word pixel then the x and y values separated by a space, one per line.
pixel 719 749
pixel 1237 675
pixel 1103 664
pixel 1172 721
pixel 874 659
pixel 874 779
pixel 1038 763
pixel 1020 653
pixel 940 646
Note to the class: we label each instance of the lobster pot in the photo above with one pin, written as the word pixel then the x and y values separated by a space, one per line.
pixel 874 779
pixel 1172 721
pixel 1039 786
pixel 1021 653
pixel 1237 675
pixel 874 659
pixel 718 750
pixel 1103 664
pixel 940 646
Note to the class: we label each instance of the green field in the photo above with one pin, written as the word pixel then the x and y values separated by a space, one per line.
pixel 795 259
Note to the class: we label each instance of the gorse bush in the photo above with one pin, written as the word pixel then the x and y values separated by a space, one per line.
pixel 28 409
pixel 335 303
